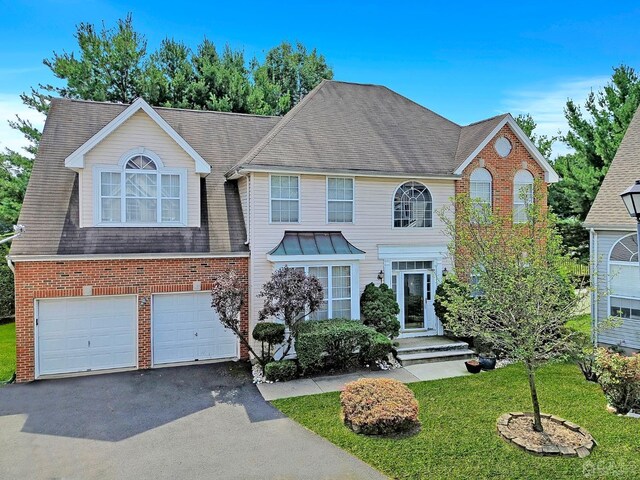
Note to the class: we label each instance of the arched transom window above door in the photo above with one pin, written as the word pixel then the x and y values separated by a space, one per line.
pixel 140 192
pixel 412 206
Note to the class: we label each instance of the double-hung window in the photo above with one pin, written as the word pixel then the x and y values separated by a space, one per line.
pixel 340 196
pixel 522 195
pixel 140 194
pixel 481 187
pixel 285 198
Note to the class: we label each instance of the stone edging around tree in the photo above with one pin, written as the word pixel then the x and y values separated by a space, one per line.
pixel 547 450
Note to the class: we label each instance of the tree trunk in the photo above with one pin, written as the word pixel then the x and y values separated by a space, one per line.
pixel 537 420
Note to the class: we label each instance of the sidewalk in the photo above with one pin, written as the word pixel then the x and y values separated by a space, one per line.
pixel 335 383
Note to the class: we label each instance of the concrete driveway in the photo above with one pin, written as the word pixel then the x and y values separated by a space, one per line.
pixel 205 421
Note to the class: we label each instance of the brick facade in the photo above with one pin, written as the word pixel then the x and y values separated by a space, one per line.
pixel 143 277
pixel 503 170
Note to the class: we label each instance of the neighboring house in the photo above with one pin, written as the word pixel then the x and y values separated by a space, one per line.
pixel 132 210
pixel 614 247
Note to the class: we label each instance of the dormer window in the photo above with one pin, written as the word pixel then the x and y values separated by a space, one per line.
pixel 141 193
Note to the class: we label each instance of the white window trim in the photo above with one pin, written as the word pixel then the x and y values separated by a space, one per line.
pixel 490 182
pixel 517 187
pixel 353 201
pixel 98 170
pixel 393 209
pixel 299 200
pixel 619 263
pixel 355 280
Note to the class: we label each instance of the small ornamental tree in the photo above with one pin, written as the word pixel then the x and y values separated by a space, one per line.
pixel 379 309
pixel 290 296
pixel 227 298
pixel 523 299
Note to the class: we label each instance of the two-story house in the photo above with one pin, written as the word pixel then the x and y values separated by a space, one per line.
pixel 131 210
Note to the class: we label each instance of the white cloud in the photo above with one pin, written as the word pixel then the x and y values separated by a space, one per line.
pixel 10 105
pixel 546 105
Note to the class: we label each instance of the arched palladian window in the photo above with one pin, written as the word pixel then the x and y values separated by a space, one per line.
pixel 412 206
pixel 141 192
pixel 481 187
pixel 522 195
pixel 624 279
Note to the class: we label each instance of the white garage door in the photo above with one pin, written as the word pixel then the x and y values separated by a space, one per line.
pixel 86 334
pixel 186 329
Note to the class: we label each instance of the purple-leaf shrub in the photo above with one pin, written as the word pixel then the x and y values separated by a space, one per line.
pixel 227 298
pixel 290 295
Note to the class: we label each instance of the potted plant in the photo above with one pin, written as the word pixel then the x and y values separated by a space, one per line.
pixel 473 366
pixel 487 360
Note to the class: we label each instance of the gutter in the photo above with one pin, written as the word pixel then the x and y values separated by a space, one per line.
pixel 18 230
pixel 242 171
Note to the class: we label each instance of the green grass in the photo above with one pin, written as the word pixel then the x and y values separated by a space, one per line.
pixel 7 350
pixel 580 323
pixel 458 439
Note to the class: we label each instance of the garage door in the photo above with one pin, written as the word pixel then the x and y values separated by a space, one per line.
pixel 86 334
pixel 186 329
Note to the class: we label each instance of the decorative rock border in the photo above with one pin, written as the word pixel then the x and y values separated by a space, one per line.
pixel 547 450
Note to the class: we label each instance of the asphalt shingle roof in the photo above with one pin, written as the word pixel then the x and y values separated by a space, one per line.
pixel 50 209
pixel 359 128
pixel 339 126
pixel 607 209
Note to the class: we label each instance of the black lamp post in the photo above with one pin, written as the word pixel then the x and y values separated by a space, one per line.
pixel 631 199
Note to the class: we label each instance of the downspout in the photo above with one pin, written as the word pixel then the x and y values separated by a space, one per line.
pixel 18 230
pixel 593 254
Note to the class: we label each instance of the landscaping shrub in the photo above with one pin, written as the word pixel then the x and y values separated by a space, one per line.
pixel 331 344
pixel 281 371
pixel 619 377
pixel 379 309
pixel 271 334
pixel 376 349
pixel 379 406
pixel 444 291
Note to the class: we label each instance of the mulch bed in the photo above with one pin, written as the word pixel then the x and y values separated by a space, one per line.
pixel 560 437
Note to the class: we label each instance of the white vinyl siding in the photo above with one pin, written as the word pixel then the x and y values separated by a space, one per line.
pixel 285 199
pixel 522 195
pixel 373 212
pixel 340 200
pixel 139 130
pixel 617 282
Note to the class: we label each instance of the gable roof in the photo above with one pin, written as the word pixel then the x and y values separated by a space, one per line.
pixel 76 159
pixel 607 210
pixel 369 129
pixel 357 128
pixel 50 209
pixel 473 132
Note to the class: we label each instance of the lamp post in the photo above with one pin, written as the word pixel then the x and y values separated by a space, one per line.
pixel 631 199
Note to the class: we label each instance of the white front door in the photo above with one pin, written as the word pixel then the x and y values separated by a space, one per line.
pixel 84 334
pixel 414 290
pixel 186 328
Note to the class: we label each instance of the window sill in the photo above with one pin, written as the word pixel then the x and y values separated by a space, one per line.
pixel 139 225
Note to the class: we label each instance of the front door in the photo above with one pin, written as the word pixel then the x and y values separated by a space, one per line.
pixel 416 305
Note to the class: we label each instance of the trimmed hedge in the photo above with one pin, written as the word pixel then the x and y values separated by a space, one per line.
pixel 281 371
pixel 377 348
pixel 338 344
pixel 379 406
pixel 269 332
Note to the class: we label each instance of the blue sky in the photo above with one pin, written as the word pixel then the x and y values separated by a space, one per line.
pixel 465 61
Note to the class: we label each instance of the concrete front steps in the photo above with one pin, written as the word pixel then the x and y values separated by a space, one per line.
pixel 414 350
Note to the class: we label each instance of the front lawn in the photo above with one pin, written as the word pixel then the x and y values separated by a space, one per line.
pixel 7 350
pixel 458 438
